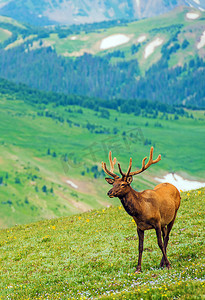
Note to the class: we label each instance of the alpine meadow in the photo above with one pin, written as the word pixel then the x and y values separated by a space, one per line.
pixel 88 90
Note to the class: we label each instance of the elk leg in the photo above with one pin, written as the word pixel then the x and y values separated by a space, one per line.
pixel 161 246
pixel 166 239
pixel 141 241
pixel 163 235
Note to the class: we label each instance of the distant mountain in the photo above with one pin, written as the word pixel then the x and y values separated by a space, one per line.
pixel 160 59
pixel 47 12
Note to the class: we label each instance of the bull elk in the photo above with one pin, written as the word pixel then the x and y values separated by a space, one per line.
pixel 150 209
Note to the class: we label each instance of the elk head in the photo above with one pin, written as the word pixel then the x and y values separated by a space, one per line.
pixel 121 185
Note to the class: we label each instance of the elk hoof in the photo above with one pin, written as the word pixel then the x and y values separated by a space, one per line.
pixel 138 270
pixel 168 266
pixel 162 264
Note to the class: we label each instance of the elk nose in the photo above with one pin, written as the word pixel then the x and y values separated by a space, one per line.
pixel 110 194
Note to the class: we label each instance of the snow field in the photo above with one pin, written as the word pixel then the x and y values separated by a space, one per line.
pixel 151 47
pixel 180 182
pixel 202 41
pixel 114 41
pixel 192 16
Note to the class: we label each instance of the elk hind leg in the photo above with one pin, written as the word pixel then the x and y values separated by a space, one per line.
pixel 164 231
pixel 161 245
pixel 165 234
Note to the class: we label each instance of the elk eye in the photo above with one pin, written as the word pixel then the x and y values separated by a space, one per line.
pixel 123 185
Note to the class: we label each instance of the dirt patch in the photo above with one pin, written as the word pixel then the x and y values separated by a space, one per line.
pixel 82 207
pixel 82 186
pixel 77 53
pixel 38 159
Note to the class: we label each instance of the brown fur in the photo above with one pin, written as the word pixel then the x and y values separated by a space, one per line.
pixel 150 209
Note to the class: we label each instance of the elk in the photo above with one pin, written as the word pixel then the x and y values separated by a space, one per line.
pixel 150 209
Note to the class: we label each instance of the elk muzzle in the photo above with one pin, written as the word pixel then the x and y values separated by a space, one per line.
pixel 110 193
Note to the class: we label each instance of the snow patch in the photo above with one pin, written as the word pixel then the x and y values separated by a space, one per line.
pixel 72 184
pixel 114 41
pixel 192 16
pixel 73 38
pixel 202 41
pixel 180 182
pixel 138 3
pixel 197 1
pixel 141 38
pixel 6 31
pixel 201 9
pixel 190 5
pixel 151 47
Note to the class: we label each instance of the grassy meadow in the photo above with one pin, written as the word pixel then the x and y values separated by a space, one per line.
pixel 93 256
pixel 165 27
pixel 40 153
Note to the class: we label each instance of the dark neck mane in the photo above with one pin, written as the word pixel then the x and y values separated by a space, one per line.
pixel 130 202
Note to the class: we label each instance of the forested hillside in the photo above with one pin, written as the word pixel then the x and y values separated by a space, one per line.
pixel 97 77
pixel 59 59
pixel 52 146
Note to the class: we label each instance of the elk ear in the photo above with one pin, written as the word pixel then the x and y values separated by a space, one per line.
pixel 129 179
pixel 110 180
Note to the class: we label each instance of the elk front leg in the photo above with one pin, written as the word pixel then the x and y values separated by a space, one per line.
pixel 161 246
pixel 141 241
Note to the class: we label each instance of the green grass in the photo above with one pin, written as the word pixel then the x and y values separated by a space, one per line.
pixel 94 255
pixel 161 26
pixel 11 21
pixel 26 167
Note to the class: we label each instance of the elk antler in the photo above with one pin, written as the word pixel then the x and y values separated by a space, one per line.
pixel 112 163
pixel 128 171
pixel 144 167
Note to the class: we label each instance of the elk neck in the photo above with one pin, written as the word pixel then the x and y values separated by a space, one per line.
pixel 131 202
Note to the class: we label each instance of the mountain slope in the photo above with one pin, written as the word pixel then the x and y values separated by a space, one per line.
pixel 94 256
pixel 83 60
pixel 51 150
pixel 48 12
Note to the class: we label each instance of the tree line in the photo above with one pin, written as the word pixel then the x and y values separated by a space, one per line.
pixel 35 96
pixel 97 77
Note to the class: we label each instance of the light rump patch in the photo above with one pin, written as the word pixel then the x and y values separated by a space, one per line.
pixel 114 41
